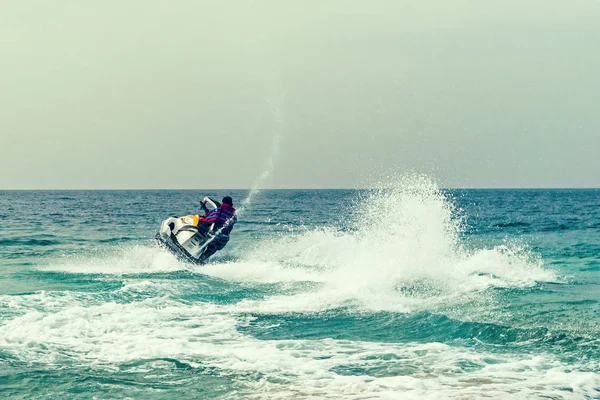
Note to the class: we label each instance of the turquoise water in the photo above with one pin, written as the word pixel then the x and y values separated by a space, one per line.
pixel 406 292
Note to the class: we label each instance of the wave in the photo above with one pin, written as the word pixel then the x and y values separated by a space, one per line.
pixel 357 310
pixel 25 241
pixel 516 224
pixel 67 328
pixel 415 327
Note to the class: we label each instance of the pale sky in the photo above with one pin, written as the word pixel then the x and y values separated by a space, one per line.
pixel 191 94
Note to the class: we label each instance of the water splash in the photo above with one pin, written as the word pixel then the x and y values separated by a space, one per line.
pixel 406 249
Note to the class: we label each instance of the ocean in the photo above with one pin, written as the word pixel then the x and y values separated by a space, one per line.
pixel 402 292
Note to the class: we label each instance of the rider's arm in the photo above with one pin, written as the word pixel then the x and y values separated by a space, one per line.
pixel 206 210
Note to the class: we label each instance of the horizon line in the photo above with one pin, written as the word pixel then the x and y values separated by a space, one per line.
pixel 318 188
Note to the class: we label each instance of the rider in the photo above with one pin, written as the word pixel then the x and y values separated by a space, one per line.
pixel 223 217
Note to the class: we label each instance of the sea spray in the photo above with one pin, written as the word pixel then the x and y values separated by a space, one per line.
pixel 256 188
pixel 405 243
pixel 279 120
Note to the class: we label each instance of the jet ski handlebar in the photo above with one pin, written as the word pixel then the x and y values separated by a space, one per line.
pixel 207 200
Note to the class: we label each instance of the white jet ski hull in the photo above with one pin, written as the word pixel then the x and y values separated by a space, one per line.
pixel 181 237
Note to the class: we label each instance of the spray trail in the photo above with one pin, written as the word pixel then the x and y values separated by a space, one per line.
pixel 268 170
pixel 279 121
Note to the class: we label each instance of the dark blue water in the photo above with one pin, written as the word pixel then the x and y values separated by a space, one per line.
pixel 406 292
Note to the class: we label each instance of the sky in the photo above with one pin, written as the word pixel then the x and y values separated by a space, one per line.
pixel 192 94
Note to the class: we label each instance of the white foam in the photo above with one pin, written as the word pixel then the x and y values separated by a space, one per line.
pixel 116 261
pixel 258 272
pixel 408 231
pixel 206 335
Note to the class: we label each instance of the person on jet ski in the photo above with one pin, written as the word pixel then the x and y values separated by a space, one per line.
pixel 223 217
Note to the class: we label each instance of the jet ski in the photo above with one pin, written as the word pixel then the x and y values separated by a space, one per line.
pixel 183 237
